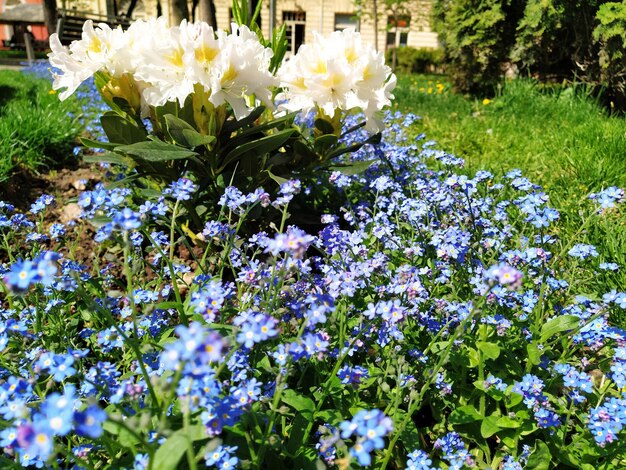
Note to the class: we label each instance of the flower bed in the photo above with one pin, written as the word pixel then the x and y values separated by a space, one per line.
pixel 426 317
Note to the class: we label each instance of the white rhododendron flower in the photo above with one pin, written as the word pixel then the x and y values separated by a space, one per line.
pixel 242 69
pixel 91 53
pixel 152 64
pixel 165 63
pixel 161 66
pixel 338 72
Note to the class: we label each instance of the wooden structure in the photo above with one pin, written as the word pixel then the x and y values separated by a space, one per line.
pixel 70 24
pixel 21 17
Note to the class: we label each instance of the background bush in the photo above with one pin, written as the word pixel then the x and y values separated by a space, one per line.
pixel 552 40
pixel 412 60
pixel 477 38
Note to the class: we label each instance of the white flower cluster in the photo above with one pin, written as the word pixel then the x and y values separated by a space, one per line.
pixel 338 72
pixel 161 64
pixel 167 62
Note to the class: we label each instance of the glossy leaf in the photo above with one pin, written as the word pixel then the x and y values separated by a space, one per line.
pixel 156 151
pixel 184 134
pixel 465 414
pixel 558 325
pixel 121 131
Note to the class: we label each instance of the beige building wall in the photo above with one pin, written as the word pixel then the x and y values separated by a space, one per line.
pixel 321 16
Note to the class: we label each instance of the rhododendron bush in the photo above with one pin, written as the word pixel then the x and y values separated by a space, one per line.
pixel 218 106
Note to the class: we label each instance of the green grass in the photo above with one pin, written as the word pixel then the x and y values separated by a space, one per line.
pixel 36 129
pixel 13 54
pixel 559 137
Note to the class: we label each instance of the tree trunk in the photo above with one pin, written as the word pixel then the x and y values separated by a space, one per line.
pixel 212 19
pixel 179 12
pixel 50 15
pixel 206 12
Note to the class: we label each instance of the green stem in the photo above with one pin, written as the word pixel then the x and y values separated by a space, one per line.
pixel 326 386
pixel 481 372
pixel 191 461
pixel 133 311
pixel 417 401
pixel 170 266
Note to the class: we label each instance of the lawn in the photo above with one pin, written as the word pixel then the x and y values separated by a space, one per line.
pixel 37 131
pixel 560 137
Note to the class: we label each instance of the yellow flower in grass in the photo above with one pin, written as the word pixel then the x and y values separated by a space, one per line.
pixel 486 101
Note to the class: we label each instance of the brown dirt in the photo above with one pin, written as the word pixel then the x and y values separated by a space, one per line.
pixel 23 189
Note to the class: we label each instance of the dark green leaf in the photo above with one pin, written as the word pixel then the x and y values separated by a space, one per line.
pixel 324 142
pixel 184 133
pixel 261 146
pixel 465 414
pixel 266 126
pixel 540 458
pixel 169 454
pixel 296 434
pixel 122 436
pixel 232 125
pixel 96 144
pixel 299 402
pixel 353 168
pixel 324 126
pixel 278 179
pixel 156 151
pixel 489 426
pixel 558 325
pixel 108 157
pixel 172 450
pixel 121 131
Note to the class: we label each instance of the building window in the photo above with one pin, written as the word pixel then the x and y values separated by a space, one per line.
pixel 294 22
pixel 398 30
pixel 345 21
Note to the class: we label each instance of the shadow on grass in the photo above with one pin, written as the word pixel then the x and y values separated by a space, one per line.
pixel 7 93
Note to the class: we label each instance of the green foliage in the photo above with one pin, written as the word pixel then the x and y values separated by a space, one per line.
pixel 477 37
pixel 36 130
pixel 555 37
pixel 578 40
pixel 209 145
pixel 412 60
pixel 610 35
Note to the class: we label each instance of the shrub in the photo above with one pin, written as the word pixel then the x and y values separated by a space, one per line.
pixel 551 40
pixel 476 37
pixel 610 34
pixel 412 60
